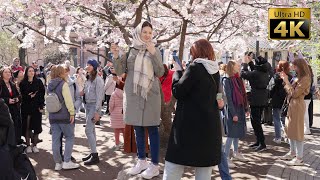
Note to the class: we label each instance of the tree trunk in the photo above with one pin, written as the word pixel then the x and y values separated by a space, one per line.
pixel 183 38
pixel 22 56
pixel 166 120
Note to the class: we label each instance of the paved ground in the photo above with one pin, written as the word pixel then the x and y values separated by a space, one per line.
pixel 311 170
pixel 261 165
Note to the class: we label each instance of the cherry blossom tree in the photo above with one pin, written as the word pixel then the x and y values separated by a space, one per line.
pixel 99 22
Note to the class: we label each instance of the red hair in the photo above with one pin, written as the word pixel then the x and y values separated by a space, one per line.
pixel 202 49
pixel 283 66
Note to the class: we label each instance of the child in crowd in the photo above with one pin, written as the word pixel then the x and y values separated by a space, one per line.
pixel 116 111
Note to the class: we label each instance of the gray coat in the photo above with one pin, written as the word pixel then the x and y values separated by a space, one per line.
pixel 138 111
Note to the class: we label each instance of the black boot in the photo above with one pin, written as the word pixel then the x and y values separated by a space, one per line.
pixel 255 145
pixel 87 157
pixel 93 160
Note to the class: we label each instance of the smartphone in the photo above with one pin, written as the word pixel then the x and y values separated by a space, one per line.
pixel 219 96
pixel 176 59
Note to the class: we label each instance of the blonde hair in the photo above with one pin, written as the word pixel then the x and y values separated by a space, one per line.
pixel 230 68
pixel 58 71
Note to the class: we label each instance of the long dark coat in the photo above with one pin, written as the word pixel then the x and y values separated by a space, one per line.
pixel 13 108
pixel 30 106
pixel 195 138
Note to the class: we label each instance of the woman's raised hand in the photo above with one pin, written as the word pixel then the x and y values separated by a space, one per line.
pixel 151 48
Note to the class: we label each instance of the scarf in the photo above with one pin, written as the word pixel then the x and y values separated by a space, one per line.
pixel 143 76
pixel 239 96
pixel 211 66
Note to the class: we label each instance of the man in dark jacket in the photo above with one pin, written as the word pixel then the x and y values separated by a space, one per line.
pixel 259 78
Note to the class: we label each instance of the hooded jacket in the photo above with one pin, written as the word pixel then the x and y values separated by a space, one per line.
pixel 61 88
pixel 259 78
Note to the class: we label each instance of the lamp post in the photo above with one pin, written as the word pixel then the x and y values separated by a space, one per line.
pixel 257 40
pixel 81 54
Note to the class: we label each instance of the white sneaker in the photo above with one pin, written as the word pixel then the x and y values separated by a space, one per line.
pixel 231 164
pixel 307 132
pixel 58 167
pixel 140 166
pixel 152 171
pixel 288 157
pixel 28 150
pixel 276 140
pixel 295 162
pixel 240 157
pixel 35 149
pixel 70 165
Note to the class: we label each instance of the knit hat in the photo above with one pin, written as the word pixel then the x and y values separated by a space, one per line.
pixel 93 63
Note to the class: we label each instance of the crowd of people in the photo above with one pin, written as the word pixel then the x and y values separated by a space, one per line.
pixel 212 101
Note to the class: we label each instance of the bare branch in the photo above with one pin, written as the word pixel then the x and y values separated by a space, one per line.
pixel 214 29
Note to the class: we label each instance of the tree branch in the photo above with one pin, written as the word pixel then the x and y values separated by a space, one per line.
pixel 170 38
pixel 214 29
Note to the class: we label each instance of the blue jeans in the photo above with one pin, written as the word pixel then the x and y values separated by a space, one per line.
pixel 278 121
pixel 154 139
pixel 174 171
pixel 224 167
pixel 90 126
pixel 229 141
pixel 68 131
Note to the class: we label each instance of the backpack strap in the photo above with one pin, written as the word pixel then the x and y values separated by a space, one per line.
pixel 54 90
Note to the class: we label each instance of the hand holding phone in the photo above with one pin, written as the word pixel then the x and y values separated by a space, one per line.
pixel 177 64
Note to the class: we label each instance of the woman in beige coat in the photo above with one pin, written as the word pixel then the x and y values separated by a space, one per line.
pixel 295 116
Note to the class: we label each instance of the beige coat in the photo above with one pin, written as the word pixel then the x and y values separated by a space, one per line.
pixel 295 121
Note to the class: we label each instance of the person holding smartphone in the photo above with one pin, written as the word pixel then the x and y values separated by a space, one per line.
pixel 278 95
pixel 32 91
pixel 236 110
pixel 196 134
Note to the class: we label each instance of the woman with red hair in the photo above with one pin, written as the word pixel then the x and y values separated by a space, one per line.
pixel 278 95
pixel 195 138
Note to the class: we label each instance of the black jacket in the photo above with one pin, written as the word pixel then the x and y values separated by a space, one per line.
pixel 6 125
pixel 259 78
pixel 32 104
pixel 4 93
pixel 195 138
pixel 278 93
